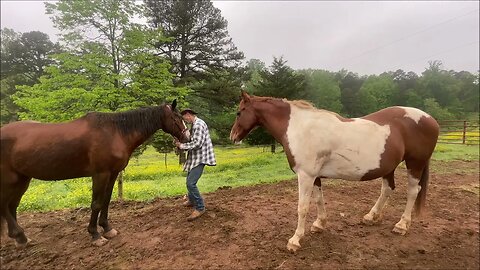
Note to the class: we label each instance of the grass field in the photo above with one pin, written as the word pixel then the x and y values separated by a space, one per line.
pixel 147 177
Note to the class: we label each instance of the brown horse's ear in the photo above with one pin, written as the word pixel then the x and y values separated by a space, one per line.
pixel 245 96
pixel 174 104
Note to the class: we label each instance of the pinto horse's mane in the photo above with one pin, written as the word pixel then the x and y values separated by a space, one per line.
pixel 145 120
pixel 302 104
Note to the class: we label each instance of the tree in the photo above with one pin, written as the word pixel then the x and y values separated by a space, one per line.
pixel 323 90
pixel 469 94
pixel 376 93
pixel 23 59
pixel 434 109
pixel 103 23
pixel 279 81
pixel 350 84
pixel 406 82
pixel 439 84
pixel 198 40
pixel 252 74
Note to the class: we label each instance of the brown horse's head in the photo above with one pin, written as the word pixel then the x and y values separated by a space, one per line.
pixel 246 119
pixel 173 123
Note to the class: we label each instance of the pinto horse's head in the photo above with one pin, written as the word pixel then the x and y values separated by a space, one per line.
pixel 173 123
pixel 246 119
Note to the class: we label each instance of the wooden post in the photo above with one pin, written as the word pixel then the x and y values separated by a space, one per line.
pixel 464 132
pixel 272 148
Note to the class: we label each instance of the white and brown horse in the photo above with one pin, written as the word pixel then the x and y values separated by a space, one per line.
pixel 320 144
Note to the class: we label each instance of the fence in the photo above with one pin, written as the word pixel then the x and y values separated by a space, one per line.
pixel 459 132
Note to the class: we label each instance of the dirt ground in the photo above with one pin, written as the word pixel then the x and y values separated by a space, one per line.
pixel 248 228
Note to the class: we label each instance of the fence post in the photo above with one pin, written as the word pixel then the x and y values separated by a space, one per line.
pixel 464 132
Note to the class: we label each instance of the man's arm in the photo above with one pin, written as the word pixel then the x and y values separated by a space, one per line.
pixel 198 137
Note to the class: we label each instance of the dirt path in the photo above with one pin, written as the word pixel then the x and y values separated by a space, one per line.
pixel 248 228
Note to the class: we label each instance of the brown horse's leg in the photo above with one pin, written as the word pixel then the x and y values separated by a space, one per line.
pixel 108 231
pixel 13 205
pixel 98 195
pixel 415 169
pixel 375 214
pixel 13 186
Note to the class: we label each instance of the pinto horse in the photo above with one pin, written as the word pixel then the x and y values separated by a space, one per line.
pixel 320 144
pixel 97 145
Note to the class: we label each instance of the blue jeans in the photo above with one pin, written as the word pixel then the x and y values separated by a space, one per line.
pixel 193 193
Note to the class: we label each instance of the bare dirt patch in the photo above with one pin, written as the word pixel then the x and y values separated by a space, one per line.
pixel 248 228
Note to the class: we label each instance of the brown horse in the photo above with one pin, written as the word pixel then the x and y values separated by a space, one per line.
pixel 97 145
pixel 320 144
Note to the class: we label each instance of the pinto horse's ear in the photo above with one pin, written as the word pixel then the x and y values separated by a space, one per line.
pixel 245 96
pixel 174 104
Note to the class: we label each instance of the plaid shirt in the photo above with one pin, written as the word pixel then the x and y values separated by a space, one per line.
pixel 200 147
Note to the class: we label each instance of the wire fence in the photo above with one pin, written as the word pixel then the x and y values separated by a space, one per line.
pixel 459 132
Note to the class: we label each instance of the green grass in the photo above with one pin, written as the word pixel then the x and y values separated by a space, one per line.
pixel 449 152
pixel 147 177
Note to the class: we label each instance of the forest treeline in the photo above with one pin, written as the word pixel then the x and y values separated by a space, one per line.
pixel 105 60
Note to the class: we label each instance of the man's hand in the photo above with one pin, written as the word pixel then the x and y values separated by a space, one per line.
pixel 176 142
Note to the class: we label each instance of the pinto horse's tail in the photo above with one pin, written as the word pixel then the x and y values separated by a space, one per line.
pixel 422 194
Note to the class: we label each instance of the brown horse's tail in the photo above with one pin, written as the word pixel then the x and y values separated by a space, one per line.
pixel 422 194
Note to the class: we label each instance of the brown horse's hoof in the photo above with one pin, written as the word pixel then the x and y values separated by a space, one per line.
pixel 22 245
pixel 100 241
pixel 110 234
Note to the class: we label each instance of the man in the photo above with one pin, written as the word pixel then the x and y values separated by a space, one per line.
pixel 200 153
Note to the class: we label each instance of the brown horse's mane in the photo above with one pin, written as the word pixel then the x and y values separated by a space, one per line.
pixel 145 120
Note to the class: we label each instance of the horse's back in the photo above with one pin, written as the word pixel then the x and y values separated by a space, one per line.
pixel 416 130
pixel 46 151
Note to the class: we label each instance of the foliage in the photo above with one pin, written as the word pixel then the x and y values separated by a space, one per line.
pixel 112 72
pixel 376 93
pixel 350 84
pixel 323 90
pixel 433 108
pixel 23 59
pixel 281 81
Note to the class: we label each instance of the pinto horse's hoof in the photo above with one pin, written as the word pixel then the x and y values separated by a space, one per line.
pixel 100 241
pixel 318 226
pixel 399 230
pixel 292 247
pixel 110 234
pixel 372 219
pixel 316 229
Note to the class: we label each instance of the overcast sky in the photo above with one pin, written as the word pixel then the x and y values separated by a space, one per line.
pixel 363 37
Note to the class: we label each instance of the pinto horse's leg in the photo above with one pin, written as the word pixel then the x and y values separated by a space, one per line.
pixel 305 186
pixel 320 223
pixel 108 232
pixel 100 181
pixel 375 214
pixel 414 175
